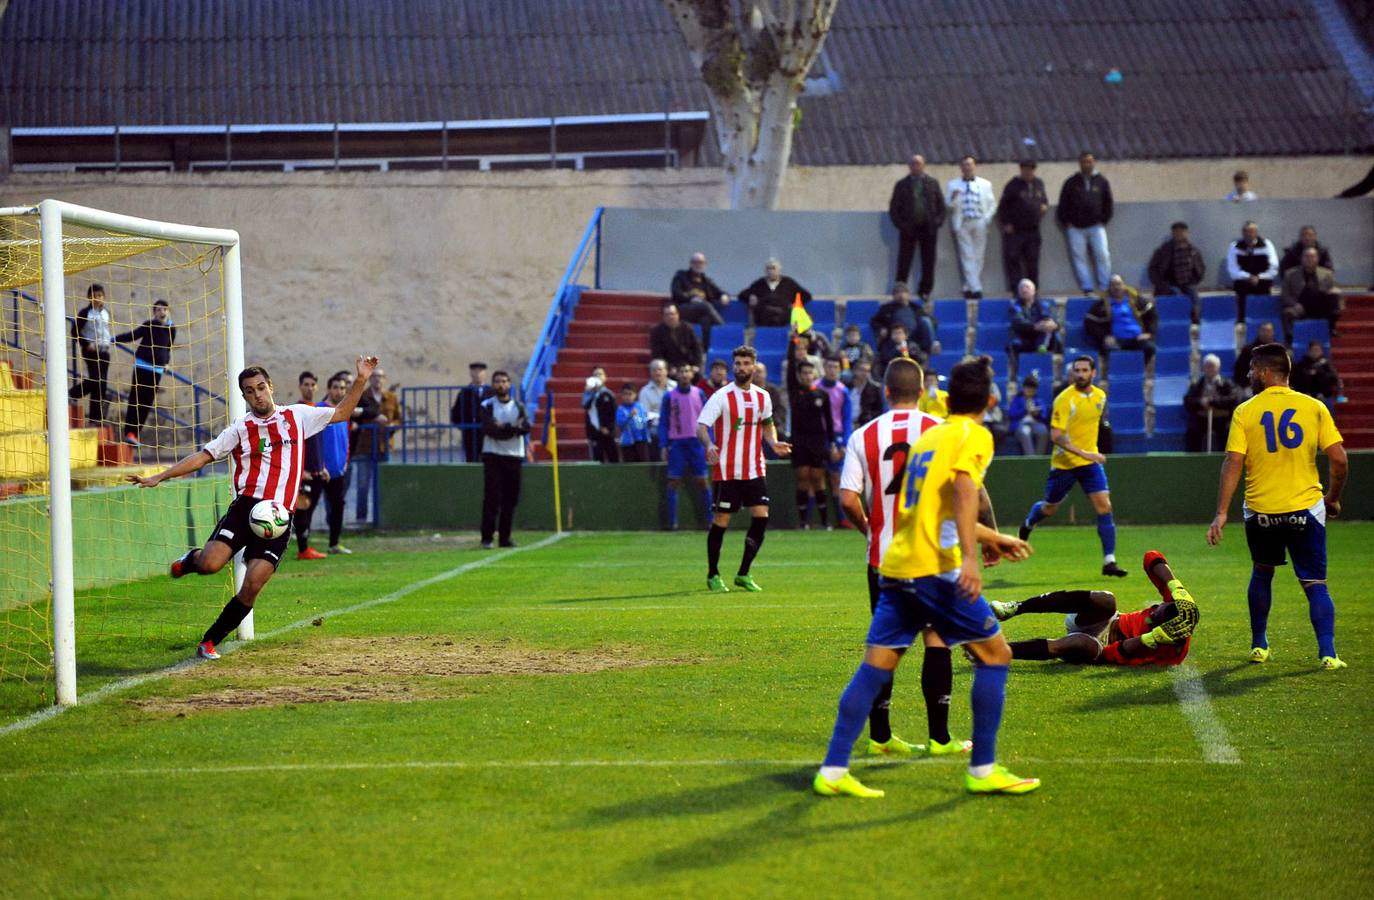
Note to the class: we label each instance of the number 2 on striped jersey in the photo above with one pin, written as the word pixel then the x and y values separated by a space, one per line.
pixel 896 452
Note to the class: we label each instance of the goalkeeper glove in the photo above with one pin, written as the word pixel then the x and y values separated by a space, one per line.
pixel 1176 630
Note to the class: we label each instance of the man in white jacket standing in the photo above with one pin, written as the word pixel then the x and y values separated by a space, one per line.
pixel 971 208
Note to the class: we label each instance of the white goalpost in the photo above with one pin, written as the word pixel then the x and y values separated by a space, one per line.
pixel 194 273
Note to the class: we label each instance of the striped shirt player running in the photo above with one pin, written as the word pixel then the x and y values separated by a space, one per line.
pixel 742 416
pixel 1275 436
pixel 874 465
pixel 267 446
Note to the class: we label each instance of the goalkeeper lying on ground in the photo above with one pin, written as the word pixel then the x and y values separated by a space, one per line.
pixel 1097 633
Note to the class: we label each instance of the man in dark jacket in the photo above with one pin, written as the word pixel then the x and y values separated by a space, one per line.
pixel 1177 268
pixel 1292 254
pixel 1309 292
pixel 917 210
pixel 466 410
pixel 155 338
pixel 1211 398
pixel 674 341
pixel 920 329
pixel 1240 374
pixel 1020 210
pixel 699 299
pixel 1314 375
pixel 770 298
pixel 599 405
pixel 1031 317
pixel 1085 208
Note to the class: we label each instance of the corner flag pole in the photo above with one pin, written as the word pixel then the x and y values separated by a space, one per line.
pixel 551 442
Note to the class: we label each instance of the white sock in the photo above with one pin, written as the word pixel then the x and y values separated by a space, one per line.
pixel 1109 559
pixel 833 773
pixel 980 771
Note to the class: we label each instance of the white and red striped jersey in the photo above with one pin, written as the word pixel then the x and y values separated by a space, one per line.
pixel 738 414
pixel 874 463
pixel 270 453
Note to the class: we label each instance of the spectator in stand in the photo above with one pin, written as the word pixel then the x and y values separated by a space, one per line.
pixel 632 426
pixel 813 441
pixel 698 298
pixel 1027 416
pixel 1292 254
pixel 1122 320
pixel 677 435
pixel 1210 401
pixel 378 409
pixel 1085 208
pixel 842 414
pixel 1020 210
pixel 865 396
pixel 467 408
pixel 1177 268
pixel 972 205
pixel 155 338
pixel 1314 375
pixel 917 210
pixel 94 337
pixel 675 342
pixel 854 349
pixel 897 345
pixel 1309 292
pixel 919 327
pixel 1253 264
pixel 651 398
pixel 1240 188
pixel 1033 328
pixel 816 343
pixel 775 395
pixel 334 443
pixel 504 426
pixel 770 298
pixel 719 377
pixel 598 404
pixel 313 477
pixel 1240 374
pixel 934 401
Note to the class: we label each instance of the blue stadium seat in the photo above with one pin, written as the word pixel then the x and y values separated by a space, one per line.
pixel 993 311
pixel 1174 308
pixel 1125 389
pixel 1075 337
pixel 1174 361
pixel 951 318
pixel 1305 330
pixel 999 366
pixel 991 337
pixel 1126 363
pixel 1127 418
pixel 1228 360
pixel 1174 334
pixel 1262 309
pixel 1171 419
pixel 1219 307
pixel 1075 308
pixel 858 312
pixel 774 363
pixel 771 340
pixel 1216 336
pixel 725 338
pixel 823 314
pixel 1169 389
pixel 943 362
pixel 737 313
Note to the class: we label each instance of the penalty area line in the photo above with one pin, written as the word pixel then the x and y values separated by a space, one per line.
pixel 1202 718
pixel 124 684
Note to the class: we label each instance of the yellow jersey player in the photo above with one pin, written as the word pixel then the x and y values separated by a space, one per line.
pixel 1275 436
pixel 930 576
pixel 1074 422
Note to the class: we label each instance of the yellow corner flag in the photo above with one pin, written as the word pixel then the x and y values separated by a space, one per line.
pixel 801 319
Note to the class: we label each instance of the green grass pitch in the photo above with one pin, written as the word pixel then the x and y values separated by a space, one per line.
pixel 580 718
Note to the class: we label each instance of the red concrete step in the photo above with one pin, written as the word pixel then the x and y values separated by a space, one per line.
pixel 1361 419
pixel 625 298
pixel 609 341
pixel 1358 438
pixel 633 332
pixel 647 316
pixel 586 357
pixel 617 369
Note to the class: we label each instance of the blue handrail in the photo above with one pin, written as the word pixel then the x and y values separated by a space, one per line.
pixel 560 312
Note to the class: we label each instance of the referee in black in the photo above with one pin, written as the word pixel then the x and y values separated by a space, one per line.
pixel 504 426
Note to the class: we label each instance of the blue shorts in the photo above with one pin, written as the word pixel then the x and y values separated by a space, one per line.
pixel 905 606
pixel 686 454
pixel 1302 535
pixel 1092 476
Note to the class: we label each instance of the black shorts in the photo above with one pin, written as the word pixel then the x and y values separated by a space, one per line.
pixel 737 494
pixel 233 529
pixel 811 453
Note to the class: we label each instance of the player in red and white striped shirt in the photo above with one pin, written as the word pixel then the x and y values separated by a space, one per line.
pixel 742 416
pixel 874 465
pixel 267 446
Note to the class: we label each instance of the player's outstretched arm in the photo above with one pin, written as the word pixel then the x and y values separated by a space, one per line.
pixel 1003 545
pixel 1230 478
pixel 344 411
pixel 1340 471
pixel 184 466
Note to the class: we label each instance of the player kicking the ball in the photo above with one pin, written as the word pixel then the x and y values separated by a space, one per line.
pixel 268 448
pixel 1160 634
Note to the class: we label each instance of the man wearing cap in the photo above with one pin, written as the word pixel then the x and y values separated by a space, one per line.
pixel 1020 210
pixel 1177 267
pixel 467 410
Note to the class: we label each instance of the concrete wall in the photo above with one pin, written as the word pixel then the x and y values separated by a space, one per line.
pixel 434 269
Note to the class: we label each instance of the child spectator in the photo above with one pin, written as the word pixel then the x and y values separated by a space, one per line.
pixel 933 401
pixel 1027 416
pixel 896 345
pixel 853 350
pixel 632 426
pixel 599 404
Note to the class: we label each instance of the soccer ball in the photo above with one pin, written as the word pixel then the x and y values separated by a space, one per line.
pixel 269 519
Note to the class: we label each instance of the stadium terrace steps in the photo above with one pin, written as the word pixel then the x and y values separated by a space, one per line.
pixel 1352 352
pixel 608 329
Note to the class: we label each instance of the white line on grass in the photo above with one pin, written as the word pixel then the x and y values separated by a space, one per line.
pixel 459 764
pixel 1197 709
pixel 125 684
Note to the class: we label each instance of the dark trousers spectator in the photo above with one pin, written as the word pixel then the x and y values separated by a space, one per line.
pixel 311 493
pixel 703 313
pixel 472 443
pixel 1195 438
pixel 97 363
pixel 1313 304
pixel 1245 289
pixel 141 394
pixel 1174 290
pixel 366 468
pixel 1145 344
pixel 637 452
pixel 906 251
pixel 604 448
pixel 335 495
pixel 500 494
pixel 1021 257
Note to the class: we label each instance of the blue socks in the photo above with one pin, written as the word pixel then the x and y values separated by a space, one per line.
pixel 1260 597
pixel 988 694
pixel 855 704
pixel 1323 613
pixel 1106 532
pixel 1036 514
pixel 672 507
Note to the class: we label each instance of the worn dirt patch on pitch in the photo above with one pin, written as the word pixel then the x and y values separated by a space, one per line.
pixel 391 669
